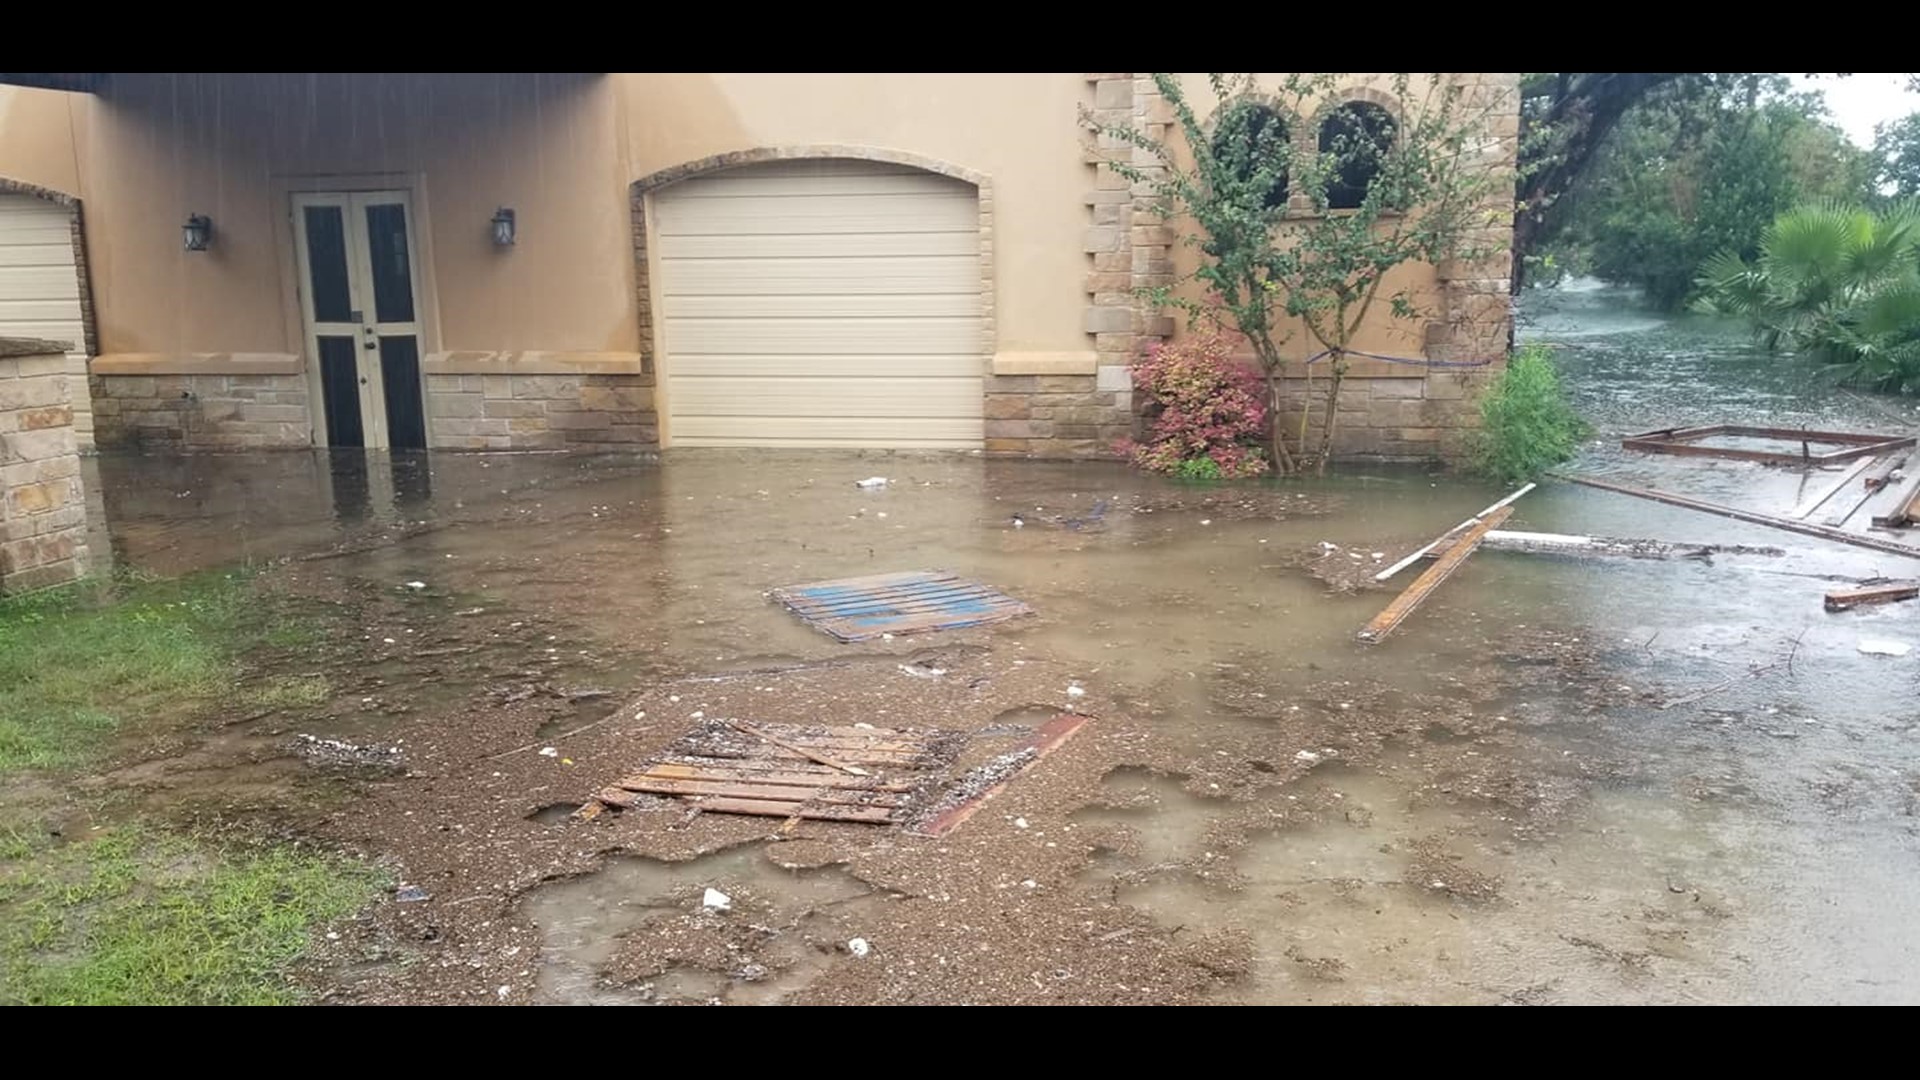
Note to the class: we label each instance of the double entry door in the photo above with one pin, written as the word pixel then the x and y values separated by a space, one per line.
pixel 357 292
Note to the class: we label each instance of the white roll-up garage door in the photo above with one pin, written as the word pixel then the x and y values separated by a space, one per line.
pixel 821 303
pixel 40 289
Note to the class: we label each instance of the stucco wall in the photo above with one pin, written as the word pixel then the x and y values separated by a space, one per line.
pixel 156 147
pixel 36 138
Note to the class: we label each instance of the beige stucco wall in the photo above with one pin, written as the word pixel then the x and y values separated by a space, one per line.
pixel 154 148
pixel 1020 130
pixel 36 139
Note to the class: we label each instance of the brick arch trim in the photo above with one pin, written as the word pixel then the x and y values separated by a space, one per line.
pixel 1355 95
pixel 733 159
pixel 640 189
pixel 88 329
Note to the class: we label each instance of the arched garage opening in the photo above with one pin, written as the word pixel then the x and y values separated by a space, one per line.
pixel 816 301
pixel 43 282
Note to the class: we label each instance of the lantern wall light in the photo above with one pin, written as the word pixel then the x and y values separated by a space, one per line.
pixel 197 233
pixel 503 227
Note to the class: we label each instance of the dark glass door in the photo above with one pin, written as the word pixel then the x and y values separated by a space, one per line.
pixel 361 308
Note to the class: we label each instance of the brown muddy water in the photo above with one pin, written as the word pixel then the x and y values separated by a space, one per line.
pixel 1501 803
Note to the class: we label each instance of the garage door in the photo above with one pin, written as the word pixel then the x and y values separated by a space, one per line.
pixel 821 303
pixel 40 291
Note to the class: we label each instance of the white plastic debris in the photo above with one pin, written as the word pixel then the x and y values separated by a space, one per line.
pixel 859 948
pixel 716 900
pixel 1076 690
pixel 1307 757
pixel 548 751
pixel 1883 647
pixel 416 584
pixel 919 672
pixel 871 482
pixel 1019 823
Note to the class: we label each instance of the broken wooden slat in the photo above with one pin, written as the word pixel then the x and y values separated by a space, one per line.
pixel 1814 501
pixel 812 755
pixel 876 815
pixel 1845 599
pixel 1871 483
pixel 1872 543
pixel 1449 534
pixel 1423 586
pixel 1906 506
pixel 1047 738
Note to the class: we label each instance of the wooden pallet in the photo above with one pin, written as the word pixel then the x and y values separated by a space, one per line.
pixel 863 608
pixel 792 771
pixel 1690 441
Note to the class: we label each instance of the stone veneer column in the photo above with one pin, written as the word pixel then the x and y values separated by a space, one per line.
pixel 43 514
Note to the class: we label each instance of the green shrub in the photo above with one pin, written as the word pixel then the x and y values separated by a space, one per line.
pixel 1526 425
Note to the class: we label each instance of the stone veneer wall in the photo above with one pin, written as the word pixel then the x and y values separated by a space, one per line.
pixel 43 513
pixel 201 411
pixel 562 411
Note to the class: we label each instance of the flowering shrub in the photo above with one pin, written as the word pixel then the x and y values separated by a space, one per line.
pixel 1212 412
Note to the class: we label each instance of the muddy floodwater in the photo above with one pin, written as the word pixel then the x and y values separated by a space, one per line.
pixel 1561 781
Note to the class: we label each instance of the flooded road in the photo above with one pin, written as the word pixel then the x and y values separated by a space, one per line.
pixel 1560 782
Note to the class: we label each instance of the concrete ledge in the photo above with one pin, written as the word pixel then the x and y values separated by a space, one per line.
pixel 240 363
pixel 1045 363
pixel 29 346
pixel 476 362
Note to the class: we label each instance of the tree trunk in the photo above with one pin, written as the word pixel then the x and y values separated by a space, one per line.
pixel 1282 461
pixel 1339 358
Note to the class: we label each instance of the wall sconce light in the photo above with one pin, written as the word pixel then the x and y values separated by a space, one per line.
pixel 503 227
pixel 197 233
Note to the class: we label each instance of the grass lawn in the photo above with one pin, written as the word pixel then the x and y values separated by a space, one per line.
pixel 79 662
pixel 131 913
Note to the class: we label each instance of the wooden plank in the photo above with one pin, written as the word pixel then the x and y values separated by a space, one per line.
pixel 1872 543
pixel 776 792
pixel 1444 537
pixel 671 771
pixel 1904 506
pixel 1423 586
pixel 1845 599
pixel 874 815
pixel 1047 738
pixel 1687 442
pixel 1814 501
pixel 1882 471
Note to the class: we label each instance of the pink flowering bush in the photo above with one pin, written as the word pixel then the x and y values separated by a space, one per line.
pixel 1211 413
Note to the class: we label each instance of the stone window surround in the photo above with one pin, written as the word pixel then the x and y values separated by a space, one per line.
pixel 641 192
pixel 91 333
pixel 1305 136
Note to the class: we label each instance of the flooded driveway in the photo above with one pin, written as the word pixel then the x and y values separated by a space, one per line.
pixel 1562 781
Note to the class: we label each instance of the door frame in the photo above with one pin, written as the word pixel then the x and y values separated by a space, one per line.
pixel 294 302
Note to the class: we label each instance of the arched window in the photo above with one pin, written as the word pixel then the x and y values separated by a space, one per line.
pixel 1357 136
pixel 1252 145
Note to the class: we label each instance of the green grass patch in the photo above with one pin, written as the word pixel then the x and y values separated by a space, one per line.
pixel 1526 425
pixel 135 917
pixel 78 662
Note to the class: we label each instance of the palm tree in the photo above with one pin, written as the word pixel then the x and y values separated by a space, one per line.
pixel 1835 283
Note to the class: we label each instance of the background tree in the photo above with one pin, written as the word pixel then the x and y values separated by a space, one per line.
pixel 1310 230
pixel 1897 145
pixel 1701 164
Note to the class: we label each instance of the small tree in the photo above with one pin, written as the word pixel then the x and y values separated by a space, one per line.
pixel 1290 233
